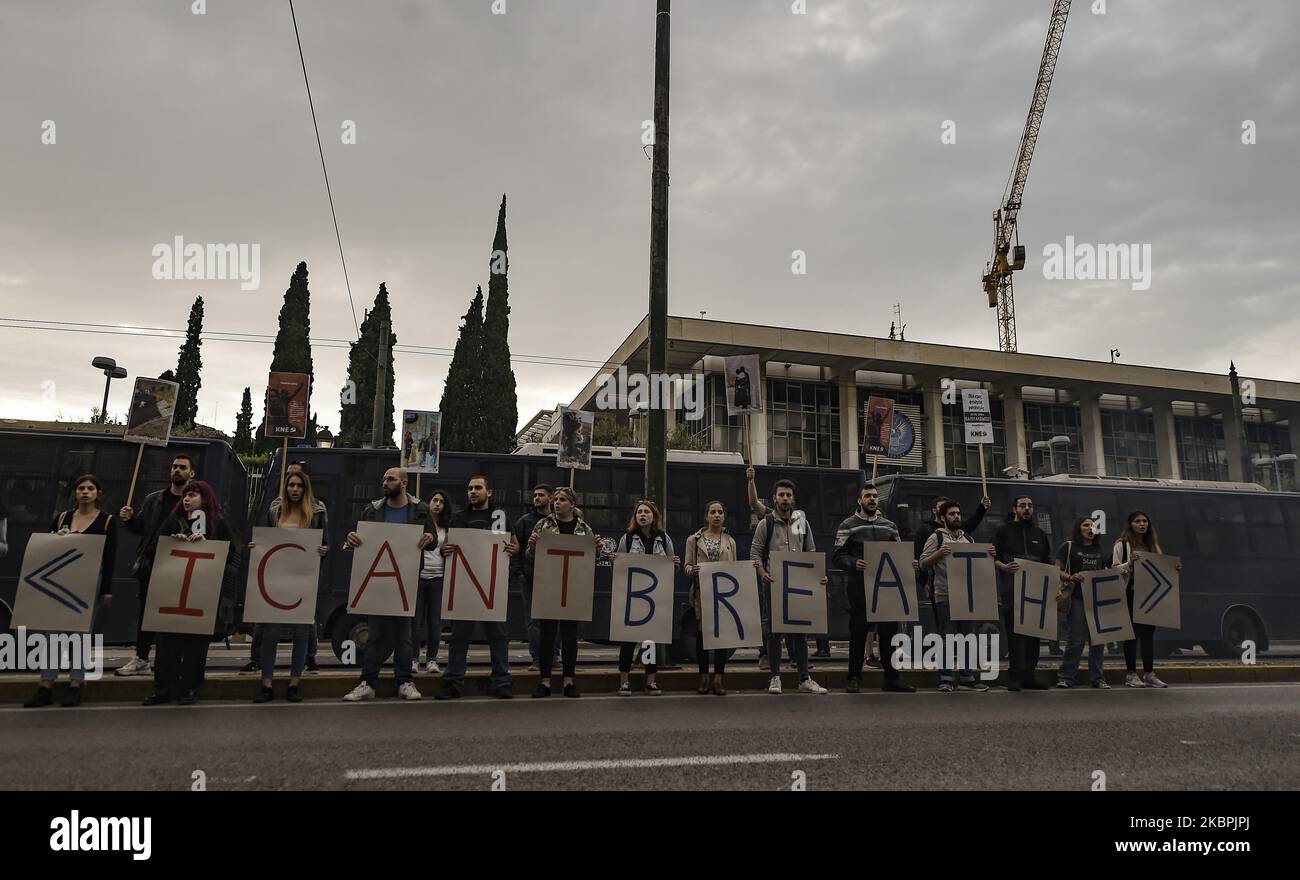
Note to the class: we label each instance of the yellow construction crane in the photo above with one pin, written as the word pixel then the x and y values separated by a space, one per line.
pixel 1004 261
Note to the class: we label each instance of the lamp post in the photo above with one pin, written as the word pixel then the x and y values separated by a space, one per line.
pixel 1049 445
pixel 111 371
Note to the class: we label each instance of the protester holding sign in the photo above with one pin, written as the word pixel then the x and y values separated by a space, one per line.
pixel 428 602
pixel 934 556
pixel 391 633
pixel 709 544
pixel 154 511
pixel 297 508
pixel 645 534
pixel 779 530
pixel 865 525
pixel 182 656
pixel 1019 539
pixel 84 519
pixel 521 565
pixel 1139 536
pixel 478 515
pixel 564 521
pixel 927 529
pixel 760 510
pixel 1081 553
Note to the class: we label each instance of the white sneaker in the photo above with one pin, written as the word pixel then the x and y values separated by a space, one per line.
pixel 1151 681
pixel 774 686
pixel 1132 680
pixel 407 691
pixel 433 668
pixel 136 666
pixel 361 692
pixel 808 686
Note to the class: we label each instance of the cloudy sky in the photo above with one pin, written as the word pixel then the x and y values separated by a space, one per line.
pixel 818 132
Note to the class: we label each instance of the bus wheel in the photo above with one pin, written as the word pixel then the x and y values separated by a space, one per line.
pixel 353 629
pixel 1239 625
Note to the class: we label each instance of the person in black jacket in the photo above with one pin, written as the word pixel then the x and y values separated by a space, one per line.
pixel 477 515
pixel 182 657
pixel 521 564
pixel 865 525
pixel 155 510
pixel 84 519
pixel 1019 539
pixel 388 634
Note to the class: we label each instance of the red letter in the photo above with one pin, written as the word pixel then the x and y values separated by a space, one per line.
pixel 261 583
pixel 190 557
pixel 488 598
pixel 401 588
pixel 564 580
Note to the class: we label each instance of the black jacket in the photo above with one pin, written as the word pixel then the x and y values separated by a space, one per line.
pixel 105 524
pixel 1017 540
pixel 520 563
pixel 472 519
pixel 149 519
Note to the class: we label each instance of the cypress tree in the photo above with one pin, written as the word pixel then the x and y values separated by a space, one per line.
pixel 461 413
pixel 355 418
pixel 292 352
pixel 244 425
pixel 188 365
pixel 498 400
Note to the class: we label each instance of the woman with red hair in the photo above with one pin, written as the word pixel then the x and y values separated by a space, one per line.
pixel 178 670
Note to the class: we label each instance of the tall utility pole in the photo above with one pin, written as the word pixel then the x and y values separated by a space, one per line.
pixel 1239 415
pixel 381 387
pixel 656 453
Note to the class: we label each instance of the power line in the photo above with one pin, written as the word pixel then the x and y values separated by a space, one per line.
pixel 267 339
pixel 321 150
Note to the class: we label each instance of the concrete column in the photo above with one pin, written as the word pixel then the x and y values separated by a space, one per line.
pixel 850 451
pixel 758 437
pixel 1232 445
pixel 1013 425
pixel 1094 450
pixel 1167 464
pixel 935 465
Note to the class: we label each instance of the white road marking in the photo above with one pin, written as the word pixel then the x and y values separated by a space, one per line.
pixel 572 766
pixel 322 702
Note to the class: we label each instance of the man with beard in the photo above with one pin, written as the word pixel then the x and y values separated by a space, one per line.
pixel 521 564
pixel 1019 539
pixel 154 512
pixel 866 524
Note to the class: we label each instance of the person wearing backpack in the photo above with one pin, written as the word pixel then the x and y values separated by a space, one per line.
pixel 937 550
pixel 780 531
pixel 1081 553
pixel 645 534
pixel 1139 536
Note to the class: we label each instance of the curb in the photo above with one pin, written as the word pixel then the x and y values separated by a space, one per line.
pixel 333 685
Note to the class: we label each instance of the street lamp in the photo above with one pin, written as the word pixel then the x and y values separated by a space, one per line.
pixel 324 439
pixel 1275 460
pixel 111 371
pixel 1049 445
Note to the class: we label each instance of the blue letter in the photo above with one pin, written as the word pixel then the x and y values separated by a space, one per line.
pixel 969 556
pixel 786 590
pixel 1096 606
pixel 895 582
pixel 641 594
pixel 721 599
pixel 1041 603
pixel 1163 586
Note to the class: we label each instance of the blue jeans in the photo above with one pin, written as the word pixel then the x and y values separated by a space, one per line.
pixel 458 652
pixel 949 627
pixel 1075 627
pixel 269 635
pixel 388 635
pixel 525 585
pixel 428 617
pixel 76 658
pixel 796 643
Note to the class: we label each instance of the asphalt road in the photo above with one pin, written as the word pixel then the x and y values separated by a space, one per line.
pixel 1194 737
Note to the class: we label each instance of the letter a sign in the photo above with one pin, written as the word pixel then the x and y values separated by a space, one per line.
pixel 385 569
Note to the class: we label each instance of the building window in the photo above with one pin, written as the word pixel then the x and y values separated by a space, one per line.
pixel 1201 451
pixel 1128 438
pixel 1043 421
pixel 803 423
pixel 720 432
pixel 1270 441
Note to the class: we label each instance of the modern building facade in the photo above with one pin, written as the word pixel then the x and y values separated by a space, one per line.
pixel 1050 415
